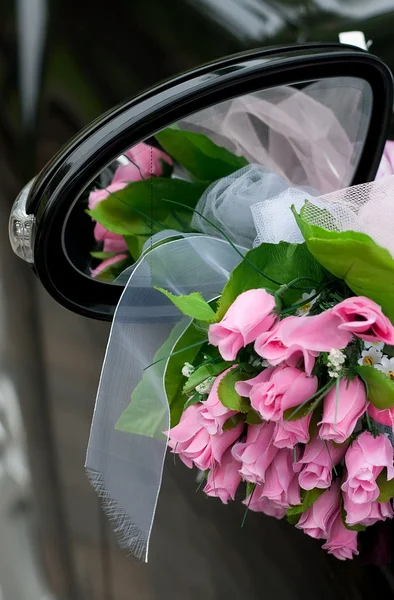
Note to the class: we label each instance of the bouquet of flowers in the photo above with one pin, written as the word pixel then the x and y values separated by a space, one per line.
pixel 286 397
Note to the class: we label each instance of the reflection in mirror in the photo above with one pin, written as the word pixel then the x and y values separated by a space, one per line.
pixel 223 171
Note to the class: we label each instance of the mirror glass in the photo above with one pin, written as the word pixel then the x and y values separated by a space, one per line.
pixel 214 172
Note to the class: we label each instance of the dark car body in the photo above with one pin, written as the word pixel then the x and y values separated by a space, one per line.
pixel 62 64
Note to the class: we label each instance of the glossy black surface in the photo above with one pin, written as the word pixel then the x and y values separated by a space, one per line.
pixel 63 180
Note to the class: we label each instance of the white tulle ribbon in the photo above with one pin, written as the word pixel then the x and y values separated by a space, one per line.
pixel 126 468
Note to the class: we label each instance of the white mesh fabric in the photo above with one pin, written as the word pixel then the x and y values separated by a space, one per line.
pixel 366 208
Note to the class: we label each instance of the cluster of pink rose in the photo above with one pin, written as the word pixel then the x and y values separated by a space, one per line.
pixel 145 162
pixel 285 459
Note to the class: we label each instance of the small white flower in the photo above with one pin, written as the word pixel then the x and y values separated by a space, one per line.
pixel 187 369
pixel 386 366
pixel 205 386
pixel 376 345
pixel 336 358
pixel 305 308
pixel 371 357
pixel 333 374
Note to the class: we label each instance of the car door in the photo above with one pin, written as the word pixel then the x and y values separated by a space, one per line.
pixel 196 547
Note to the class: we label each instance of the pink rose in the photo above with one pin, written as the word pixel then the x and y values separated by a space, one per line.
pixel 319 333
pixel 364 318
pixel 367 513
pixel 113 242
pixel 147 159
pixel 385 416
pixel 250 314
pixel 260 503
pixel 97 196
pixel 194 444
pixel 107 263
pixel 317 520
pixel 316 465
pixel 287 387
pixel 343 406
pixel 290 433
pixel 256 453
pixel 224 479
pixel 365 460
pixel 281 485
pixel 342 542
pixel 214 414
pixel 271 347
pixel 386 166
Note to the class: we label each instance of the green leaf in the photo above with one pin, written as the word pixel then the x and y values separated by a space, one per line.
pixel 250 487
pixel 253 418
pixel 282 262
pixel 380 388
pixel 195 399
pixel 203 372
pixel 173 380
pixel 113 271
pixel 227 394
pixel 135 418
pixel 139 209
pixel 309 497
pixel 293 519
pixel 233 421
pixel 193 305
pixel 368 269
pixel 386 487
pixel 103 255
pixel 199 155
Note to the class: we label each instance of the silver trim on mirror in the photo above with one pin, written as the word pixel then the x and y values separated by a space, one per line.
pixel 22 226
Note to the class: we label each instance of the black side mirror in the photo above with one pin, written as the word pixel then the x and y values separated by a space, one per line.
pixel 316 116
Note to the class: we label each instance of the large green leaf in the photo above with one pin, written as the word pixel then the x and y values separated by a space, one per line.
pixel 386 487
pixel 199 155
pixel 193 305
pixel 139 209
pixel 227 394
pixel 282 262
pixel 380 389
pixel 368 269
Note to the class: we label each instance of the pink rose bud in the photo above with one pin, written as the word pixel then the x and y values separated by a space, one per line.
pixel 367 513
pixel 343 406
pixel 194 444
pixel 290 433
pixel 342 542
pixel 224 479
pixel 287 387
pixel 146 162
pixel 316 465
pixel 365 460
pixel 317 520
pixel 250 314
pixel 112 242
pixel 214 414
pixel 259 503
pixel 108 262
pixel 364 318
pixel 319 333
pixel 97 196
pixel 281 485
pixel 271 347
pixel 385 416
pixel 256 453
